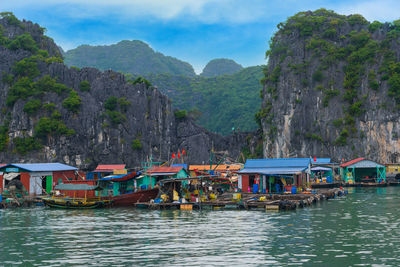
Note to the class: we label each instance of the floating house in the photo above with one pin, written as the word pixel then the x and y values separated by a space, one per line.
pixel 363 170
pixel 393 170
pixel 118 184
pixel 37 178
pixel 274 175
pixel 322 169
pixel 104 170
pixel 221 169
pixel 150 178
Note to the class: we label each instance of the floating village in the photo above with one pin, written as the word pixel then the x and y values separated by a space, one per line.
pixel 267 184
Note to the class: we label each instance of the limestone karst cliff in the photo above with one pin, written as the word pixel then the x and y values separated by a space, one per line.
pixel 332 88
pixel 83 117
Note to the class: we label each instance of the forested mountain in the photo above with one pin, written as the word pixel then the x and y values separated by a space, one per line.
pixel 135 57
pixel 83 117
pixel 225 96
pixel 220 66
pixel 332 88
pixel 219 103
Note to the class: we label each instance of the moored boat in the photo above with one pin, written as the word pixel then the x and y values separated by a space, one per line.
pixel 68 202
pixel 74 203
pixel 128 199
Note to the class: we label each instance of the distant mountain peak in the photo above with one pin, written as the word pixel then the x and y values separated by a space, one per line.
pixel 221 66
pixel 127 56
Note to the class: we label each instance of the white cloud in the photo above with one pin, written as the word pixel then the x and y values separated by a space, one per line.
pixel 382 10
pixel 205 11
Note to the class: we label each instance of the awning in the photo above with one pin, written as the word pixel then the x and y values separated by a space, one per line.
pixel 76 187
pixel 10 176
pixel 121 177
pixel 273 171
pixel 321 169
pixel 163 174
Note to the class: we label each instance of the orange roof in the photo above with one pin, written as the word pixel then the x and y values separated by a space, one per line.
pixel 351 162
pixel 111 167
pixel 223 167
pixel 166 169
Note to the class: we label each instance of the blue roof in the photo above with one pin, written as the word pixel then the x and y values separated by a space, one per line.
pixel 321 161
pixel 42 167
pixel 277 163
pixel 273 171
pixel 276 166
pixel 180 165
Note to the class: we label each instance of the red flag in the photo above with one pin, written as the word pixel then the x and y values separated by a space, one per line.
pixel 183 151
pixel 315 159
pixel 173 155
pixel 179 154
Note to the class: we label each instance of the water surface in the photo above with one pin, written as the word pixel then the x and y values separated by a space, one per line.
pixel 361 229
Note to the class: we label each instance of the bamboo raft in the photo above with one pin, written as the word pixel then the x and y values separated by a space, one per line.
pixel 251 201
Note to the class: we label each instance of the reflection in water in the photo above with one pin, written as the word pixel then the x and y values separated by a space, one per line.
pixel 360 229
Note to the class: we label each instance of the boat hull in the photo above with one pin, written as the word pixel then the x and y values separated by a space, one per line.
pixel 132 198
pixel 70 204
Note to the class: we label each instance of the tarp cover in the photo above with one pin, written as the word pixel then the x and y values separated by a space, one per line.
pixel 10 176
pixel 78 187
pixel 320 169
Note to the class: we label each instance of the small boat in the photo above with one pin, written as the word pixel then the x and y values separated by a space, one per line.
pixel 68 202
pixel 128 199
pixel 74 203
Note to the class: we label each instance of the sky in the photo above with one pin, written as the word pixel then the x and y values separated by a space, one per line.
pixel 195 31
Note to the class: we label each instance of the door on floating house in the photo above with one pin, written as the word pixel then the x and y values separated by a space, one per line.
pixel 49 184
pixel 35 185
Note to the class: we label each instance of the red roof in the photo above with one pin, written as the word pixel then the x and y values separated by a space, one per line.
pixel 111 167
pixel 166 169
pixel 351 162
pixel 1 165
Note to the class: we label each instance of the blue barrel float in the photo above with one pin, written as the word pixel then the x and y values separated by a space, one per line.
pixel 255 188
pixel 294 190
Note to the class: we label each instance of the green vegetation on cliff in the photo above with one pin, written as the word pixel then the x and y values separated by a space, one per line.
pixel 221 66
pixel 345 60
pixel 135 57
pixel 219 103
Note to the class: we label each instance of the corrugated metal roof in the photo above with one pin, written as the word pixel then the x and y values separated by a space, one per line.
pixel 110 167
pixel 222 167
pixel 166 169
pixel 76 187
pixel 42 167
pixel 363 163
pixel 351 162
pixel 266 171
pixel 277 163
pixel 321 161
pixel 321 169
pixel 163 173
pixel 180 165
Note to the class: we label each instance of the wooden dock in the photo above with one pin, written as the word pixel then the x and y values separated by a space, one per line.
pixel 251 201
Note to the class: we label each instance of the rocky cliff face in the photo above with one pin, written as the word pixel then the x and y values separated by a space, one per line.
pixel 332 88
pixel 83 117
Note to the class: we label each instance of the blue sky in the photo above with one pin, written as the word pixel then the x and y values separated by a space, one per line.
pixel 195 31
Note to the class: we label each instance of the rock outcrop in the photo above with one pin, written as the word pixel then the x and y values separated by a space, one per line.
pixel 332 88
pixel 84 117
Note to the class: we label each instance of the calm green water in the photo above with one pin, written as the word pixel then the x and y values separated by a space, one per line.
pixel 360 229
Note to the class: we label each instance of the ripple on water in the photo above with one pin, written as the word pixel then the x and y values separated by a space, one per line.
pixel 360 229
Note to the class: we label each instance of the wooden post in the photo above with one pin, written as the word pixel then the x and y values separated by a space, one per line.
pixel 269 178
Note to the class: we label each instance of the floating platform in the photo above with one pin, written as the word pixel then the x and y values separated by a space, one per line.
pixel 325 185
pixel 271 202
